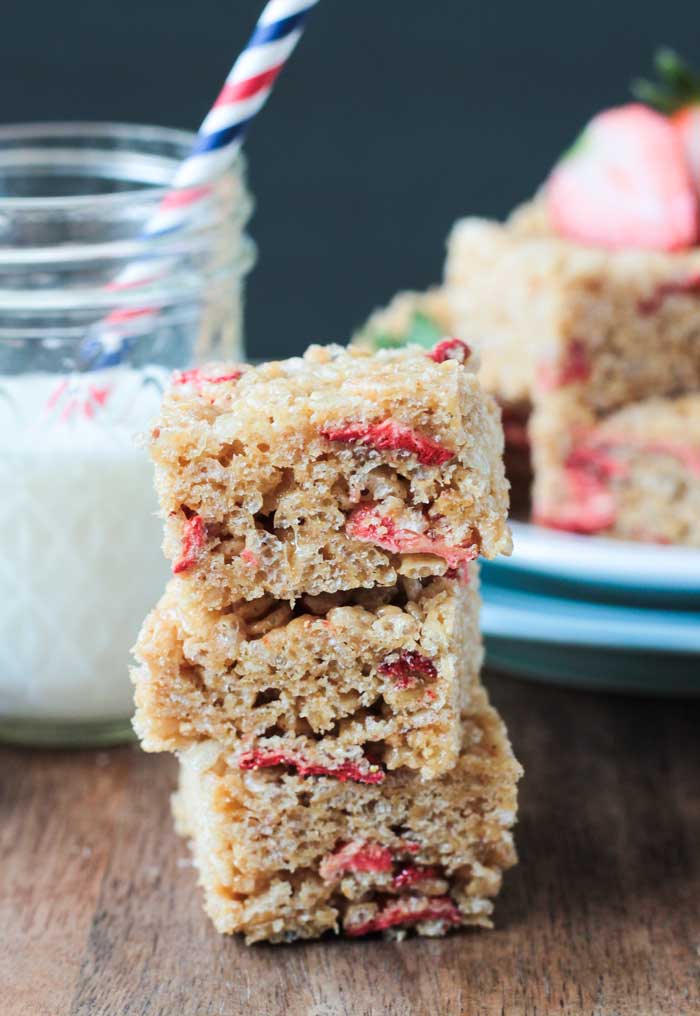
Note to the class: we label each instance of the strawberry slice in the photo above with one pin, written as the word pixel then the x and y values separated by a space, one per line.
pixel 390 435
pixel 356 856
pixel 676 93
pixel 194 537
pixel 367 525
pixel 408 668
pixel 686 124
pixel 625 183
pixel 409 910
pixel 258 758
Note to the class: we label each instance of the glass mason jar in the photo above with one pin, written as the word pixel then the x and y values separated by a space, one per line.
pixel 84 356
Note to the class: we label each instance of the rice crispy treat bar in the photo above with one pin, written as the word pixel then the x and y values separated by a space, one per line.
pixel 569 334
pixel 636 475
pixel 614 327
pixel 353 684
pixel 281 856
pixel 338 470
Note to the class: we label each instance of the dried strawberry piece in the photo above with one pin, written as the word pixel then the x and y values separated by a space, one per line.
pixel 689 286
pixel 358 773
pixel 412 873
pixel 590 507
pixel 356 856
pixel 409 846
pixel 250 557
pixel 450 349
pixel 408 668
pixel 390 435
pixel 195 377
pixel 193 540
pixel 409 910
pixel 460 573
pixel 368 526
pixel 575 366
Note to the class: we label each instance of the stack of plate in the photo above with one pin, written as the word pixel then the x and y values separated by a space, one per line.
pixel 594 613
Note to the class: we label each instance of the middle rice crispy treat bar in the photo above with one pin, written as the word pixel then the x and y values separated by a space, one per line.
pixel 282 856
pixel 349 684
pixel 338 470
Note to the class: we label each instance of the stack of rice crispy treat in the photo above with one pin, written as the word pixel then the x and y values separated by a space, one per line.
pixel 314 662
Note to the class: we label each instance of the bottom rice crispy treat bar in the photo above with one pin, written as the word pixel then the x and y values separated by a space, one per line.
pixel 636 475
pixel 281 856
pixel 352 684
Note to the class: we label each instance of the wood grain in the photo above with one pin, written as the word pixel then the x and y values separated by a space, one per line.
pixel 100 915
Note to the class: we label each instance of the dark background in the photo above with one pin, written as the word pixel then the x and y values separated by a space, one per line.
pixel 393 118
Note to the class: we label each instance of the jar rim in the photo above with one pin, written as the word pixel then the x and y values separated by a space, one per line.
pixel 97 130
pixel 97 183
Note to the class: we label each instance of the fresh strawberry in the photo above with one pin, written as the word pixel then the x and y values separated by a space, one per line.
pixel 686 123
pixel 625 183
pixel 677 94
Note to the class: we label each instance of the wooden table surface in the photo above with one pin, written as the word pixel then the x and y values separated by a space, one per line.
pixel 100 914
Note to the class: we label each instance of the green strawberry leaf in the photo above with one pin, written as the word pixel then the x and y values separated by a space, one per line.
pixel 422 331
pixel 678 84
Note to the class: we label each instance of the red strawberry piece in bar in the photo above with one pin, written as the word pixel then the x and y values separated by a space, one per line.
pixel 193 539
pixel 194 376
pixel 409 910
pixel 450 349
pixel 250 557
pixel 590 506
pixel 625 184
pixel 413 873
pixel 689 286
pixel 574 366
pixel 390 435
pixel 408 668
pixel 357 772
pixel 367 525
pixel 356 856
pixel 460 573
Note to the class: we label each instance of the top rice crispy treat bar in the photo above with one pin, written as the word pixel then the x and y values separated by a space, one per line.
pixel 281 856
pixel 336 470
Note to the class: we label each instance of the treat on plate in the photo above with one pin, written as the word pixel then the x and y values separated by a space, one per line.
pixel 281 856
pixel 336 470
pixel 352 684
pixel 635 475
pixel 587 301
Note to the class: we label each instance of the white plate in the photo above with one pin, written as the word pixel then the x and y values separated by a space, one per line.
pixel 530 617
pixel 592 645
pixel 644 569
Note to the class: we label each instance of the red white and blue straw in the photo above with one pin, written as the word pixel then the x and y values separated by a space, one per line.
pixel 218 141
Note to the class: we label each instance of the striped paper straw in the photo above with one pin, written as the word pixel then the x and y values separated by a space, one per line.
pixel 216 146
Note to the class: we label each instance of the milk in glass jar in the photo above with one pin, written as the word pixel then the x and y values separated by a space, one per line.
pixel 83 362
